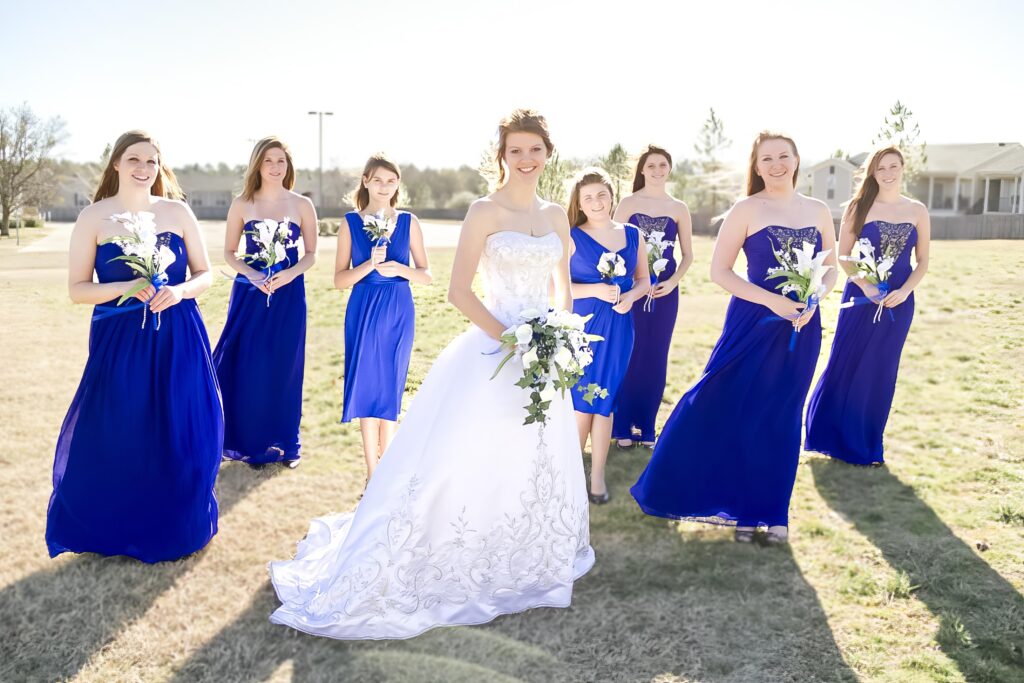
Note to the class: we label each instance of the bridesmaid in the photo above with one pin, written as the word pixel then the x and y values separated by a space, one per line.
pixel 139 449
pixel 728 453
pixel 609 303
pixel 850 406
pixel 260 356
pixel 652 208
pixel 380 317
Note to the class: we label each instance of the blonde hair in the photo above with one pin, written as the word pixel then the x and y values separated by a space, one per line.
pixel 253 181
pixel 166 185
pixel 866 193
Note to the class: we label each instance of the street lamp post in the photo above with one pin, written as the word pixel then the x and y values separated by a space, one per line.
pixel 320 172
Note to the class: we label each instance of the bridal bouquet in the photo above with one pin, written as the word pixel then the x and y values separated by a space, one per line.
pixel 272 239
pixel 143 253
pixel 875 272
pixel 803 274
pixel 379 227
pixel 656 261
pixel 554 349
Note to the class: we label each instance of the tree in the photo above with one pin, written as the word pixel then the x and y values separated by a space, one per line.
pixel 552 182
pixel 26 168
pixel 710 183
pixel 901 129
pixel 616 163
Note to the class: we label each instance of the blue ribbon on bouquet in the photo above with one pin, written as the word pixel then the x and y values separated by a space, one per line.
pixel 267 273
pixel 883 291
pixel 812 303
pixel 103 312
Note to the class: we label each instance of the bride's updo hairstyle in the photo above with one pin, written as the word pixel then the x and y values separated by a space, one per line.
pixel 586 177
pixel 520 121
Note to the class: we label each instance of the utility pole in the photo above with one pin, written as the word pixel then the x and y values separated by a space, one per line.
pixel 320 172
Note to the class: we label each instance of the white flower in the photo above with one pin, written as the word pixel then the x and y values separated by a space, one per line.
pixel 279 252
pixel 529 314
pixel 547 392
pixel 164 258
pixel 524 334
pixel 884 266
pixel 659 266
pixel 563 357
pixel 530 357
pixel 657 235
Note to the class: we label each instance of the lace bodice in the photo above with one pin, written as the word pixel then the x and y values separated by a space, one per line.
pixel 517 268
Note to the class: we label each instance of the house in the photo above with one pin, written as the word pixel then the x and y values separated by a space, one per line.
pixel 973 178
pixel 832 181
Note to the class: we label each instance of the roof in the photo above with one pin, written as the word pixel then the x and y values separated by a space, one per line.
pixel 832 162
pixel 966 159
pixel 1010 162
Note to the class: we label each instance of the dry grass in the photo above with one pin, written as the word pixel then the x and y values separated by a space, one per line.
pixel 883 581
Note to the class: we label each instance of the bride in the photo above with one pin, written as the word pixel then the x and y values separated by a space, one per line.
pixel 467 516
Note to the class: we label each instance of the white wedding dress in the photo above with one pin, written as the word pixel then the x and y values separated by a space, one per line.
pixel 467 516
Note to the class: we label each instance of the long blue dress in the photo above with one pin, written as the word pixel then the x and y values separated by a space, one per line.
pixel 379 325
pixel 849 407
pixel 644 384
pixel 260 359
pixel 729 452
pixel 611 356
pixel 140 446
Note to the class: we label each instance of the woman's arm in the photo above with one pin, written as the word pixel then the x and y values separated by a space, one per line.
pixel 82 262
pixel 309 228
pixel 684 240
pixel 641 280
pixel 924 233
pixel 563 294
pixel 420 272
pixel 345 275
pixel 200 277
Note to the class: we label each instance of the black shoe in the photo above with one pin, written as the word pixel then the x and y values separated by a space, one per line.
pixel 599 499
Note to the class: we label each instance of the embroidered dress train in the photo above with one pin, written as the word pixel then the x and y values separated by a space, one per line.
pixel 468 515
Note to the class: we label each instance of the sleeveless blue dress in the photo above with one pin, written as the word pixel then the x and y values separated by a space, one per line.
pixel 139 449
pixel 849 407
pixel 611 356
pixel 380 321
pixel 728 454
pixel 644 384
pixel 260 359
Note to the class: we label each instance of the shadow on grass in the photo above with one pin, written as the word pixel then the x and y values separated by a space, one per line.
pixel 981 614
pixel 659 601
pixel 55 620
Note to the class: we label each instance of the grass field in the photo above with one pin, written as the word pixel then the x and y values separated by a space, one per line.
pixel 912 572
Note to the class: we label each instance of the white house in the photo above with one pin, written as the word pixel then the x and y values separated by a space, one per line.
pixel 972 178
pixel 831 181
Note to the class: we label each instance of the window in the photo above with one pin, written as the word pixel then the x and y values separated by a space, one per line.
pixel 831 170
pixel 831 193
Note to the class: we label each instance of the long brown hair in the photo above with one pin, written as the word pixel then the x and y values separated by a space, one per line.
pixel 585 177
pixel 755 183
pixel 253 181
pixel 520 121
pixel 166 185
pixel 361 195
pixel 866 193
pixel 638 177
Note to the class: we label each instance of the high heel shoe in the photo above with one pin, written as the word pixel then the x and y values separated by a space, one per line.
pixel 599 498
pixel 743 535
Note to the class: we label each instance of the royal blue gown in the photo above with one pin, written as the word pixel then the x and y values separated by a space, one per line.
pixel 379 325
pixel 140 446
pixel 611 356
pixel 729 451
pixel 848 409
pixel 260 359
pixel 644 384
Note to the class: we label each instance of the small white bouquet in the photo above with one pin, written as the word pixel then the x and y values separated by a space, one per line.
pixel 876 272
pixel 803 274
pixel 657 245
pixel 273 239
pixel 379 227
pixel 611 266
pixel 143 252
pixel 554 348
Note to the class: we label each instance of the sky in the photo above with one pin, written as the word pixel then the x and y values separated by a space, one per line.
pixel 427 81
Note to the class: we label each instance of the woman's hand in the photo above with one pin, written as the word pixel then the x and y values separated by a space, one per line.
pixel 379 255
pixel 804 317
pixel 895 298
pixel 623 307
pixel 169 295
pixel 606 292
pixel 392 269
pixel 146 293
pixel 279 280
pixel 870 291
pixel 664 288
pixel 786 308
